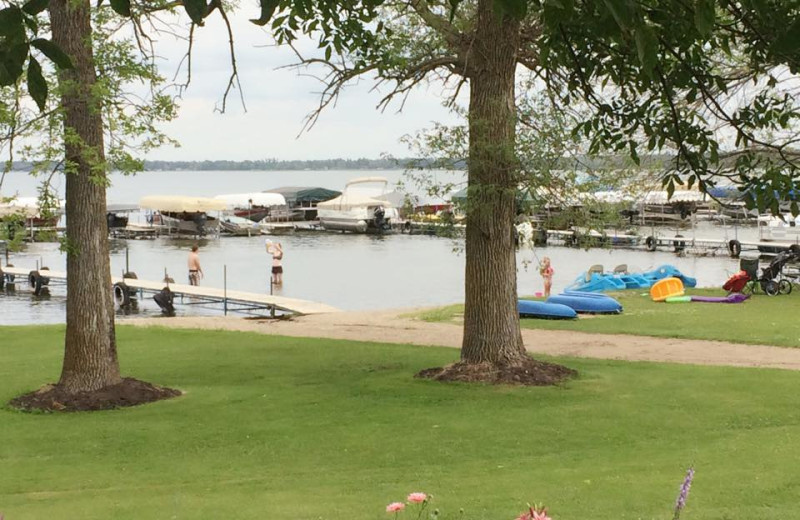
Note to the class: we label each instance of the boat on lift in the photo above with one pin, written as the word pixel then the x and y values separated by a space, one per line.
pixel 363 207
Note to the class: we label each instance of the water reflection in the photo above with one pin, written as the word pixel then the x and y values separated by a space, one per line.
pixel 358 272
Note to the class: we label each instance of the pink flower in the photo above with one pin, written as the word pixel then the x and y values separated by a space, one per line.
pixel 417 497
pixel 394 507
pixel 540 515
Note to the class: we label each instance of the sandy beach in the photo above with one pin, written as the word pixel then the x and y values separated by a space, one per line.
pixel 396 327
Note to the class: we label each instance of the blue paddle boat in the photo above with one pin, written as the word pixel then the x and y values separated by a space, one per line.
pixel 594 281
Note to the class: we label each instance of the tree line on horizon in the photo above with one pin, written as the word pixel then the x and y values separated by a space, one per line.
pixel 362 163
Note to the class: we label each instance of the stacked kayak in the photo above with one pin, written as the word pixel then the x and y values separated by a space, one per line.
pixel 599 282
pixel 546 310
pixel 587 303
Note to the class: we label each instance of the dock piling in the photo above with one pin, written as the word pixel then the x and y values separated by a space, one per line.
pixel 225 288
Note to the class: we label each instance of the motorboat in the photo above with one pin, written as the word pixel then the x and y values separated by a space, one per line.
pixel 363 207
pixel 183 215
pixel 28 209
pixel 302 200
pixel 786 229
pixel 256 206
pixel 238 226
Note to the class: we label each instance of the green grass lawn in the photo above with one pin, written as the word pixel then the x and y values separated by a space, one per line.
pixel 766 320
pixel 285 428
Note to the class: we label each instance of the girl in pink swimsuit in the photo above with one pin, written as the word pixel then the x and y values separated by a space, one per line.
pixel 546 270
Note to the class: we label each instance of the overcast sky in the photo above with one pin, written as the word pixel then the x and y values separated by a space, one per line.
pixel 277 102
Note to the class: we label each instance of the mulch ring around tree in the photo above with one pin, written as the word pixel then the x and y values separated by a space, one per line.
pixel 130 392
pixel 527 372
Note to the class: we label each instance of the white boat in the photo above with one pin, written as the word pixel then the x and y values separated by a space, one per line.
pixel 239 226
pixel 184 215
pixel 363 207
pixel 256 206
pixel 775 228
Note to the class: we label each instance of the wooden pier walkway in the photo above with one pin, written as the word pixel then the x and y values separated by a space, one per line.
pixel 243 300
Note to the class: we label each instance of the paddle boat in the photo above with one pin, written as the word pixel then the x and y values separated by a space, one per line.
pixel 552 311
pixel 595 280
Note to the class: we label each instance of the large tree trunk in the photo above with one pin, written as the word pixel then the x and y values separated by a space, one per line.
pixel 90 353
pixel 491 322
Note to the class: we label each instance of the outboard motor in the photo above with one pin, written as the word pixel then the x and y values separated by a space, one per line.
pixel 380 219
pixel 200 221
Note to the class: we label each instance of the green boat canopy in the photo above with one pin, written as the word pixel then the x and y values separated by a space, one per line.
pixel 295 195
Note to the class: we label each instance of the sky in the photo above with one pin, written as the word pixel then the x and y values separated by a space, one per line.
pixel 277 102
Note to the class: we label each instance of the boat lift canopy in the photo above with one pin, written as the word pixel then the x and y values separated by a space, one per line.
pixel 176 204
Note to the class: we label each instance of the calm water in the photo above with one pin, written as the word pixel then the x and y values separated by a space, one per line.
pixel 347 271
pixel 356 272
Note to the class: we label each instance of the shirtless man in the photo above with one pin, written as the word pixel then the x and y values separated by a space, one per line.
pixel 195 271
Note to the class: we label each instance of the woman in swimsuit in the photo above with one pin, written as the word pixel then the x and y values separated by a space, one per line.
pixel 276 250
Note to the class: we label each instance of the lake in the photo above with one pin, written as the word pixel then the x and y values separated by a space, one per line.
pixel 354 272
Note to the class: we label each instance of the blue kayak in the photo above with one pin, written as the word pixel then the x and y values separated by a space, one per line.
pixel 599 296
pixel 553 311
pixel 587 303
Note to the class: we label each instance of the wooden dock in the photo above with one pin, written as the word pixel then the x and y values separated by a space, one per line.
pixel 124 288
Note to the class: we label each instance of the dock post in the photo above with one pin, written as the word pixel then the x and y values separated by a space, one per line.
pixel 127 255
pixel 225 288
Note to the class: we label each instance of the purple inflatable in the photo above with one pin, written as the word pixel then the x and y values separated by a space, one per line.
pixel 731 298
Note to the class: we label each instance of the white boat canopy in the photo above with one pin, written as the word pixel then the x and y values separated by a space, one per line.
pixel 367 180
pixel 25 206
pixel 178 204
pixel 248 200
pixel 348 201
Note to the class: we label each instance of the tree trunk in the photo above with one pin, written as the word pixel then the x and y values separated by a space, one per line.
pixel 491 321
pixel 90 352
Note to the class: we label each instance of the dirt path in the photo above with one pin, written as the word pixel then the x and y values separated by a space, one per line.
pixel 392 327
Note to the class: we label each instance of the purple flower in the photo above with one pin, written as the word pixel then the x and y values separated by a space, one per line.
pixel 685 487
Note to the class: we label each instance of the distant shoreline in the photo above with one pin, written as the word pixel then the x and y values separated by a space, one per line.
pixel 275 165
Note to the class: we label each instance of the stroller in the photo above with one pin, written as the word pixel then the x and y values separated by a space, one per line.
pixel 772 275
pixel 771 280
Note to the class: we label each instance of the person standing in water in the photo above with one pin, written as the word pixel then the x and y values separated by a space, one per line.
pixel 195 271
pixel 546 270
pixel 276 250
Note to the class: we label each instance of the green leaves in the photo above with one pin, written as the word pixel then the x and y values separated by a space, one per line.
pixel 121 7
pixel 622 11
pixel 53 53
pixel 704 16
pixel 37 86
pixel 788 42
pixel 11 23
pixel 196 9
pixel 516 9
pixel 647 49
pixel 268 8
pixel 34 7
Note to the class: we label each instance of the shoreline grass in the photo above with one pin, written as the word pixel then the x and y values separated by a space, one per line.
pixel 763 320
pixel 294 428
